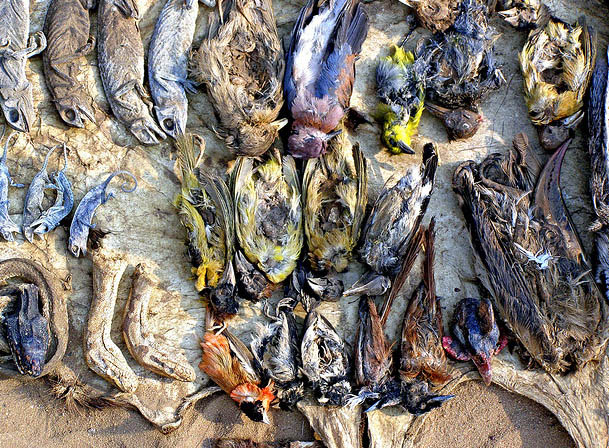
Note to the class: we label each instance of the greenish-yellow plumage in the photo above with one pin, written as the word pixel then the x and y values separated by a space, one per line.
pixel 268 213
pixel 335 192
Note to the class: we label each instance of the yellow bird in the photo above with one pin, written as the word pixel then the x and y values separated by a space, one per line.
pixel 335 193
pixel 205 209
pixel 557 63
pixel 268 213
pixel 400 84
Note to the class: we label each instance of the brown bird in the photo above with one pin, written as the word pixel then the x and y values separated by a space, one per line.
pixel 435 15
pixel 523 14
pixel 230 364
pixel 241 63
pixel 534 265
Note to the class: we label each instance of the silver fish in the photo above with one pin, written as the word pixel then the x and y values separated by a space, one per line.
pixel 120 55
pixel 16 46
pixel 7 226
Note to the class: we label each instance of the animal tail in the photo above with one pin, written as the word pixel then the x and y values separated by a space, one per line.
pixel 123 186
pixel 66 386
pixel 8 140
pixel 430 163
pixel 48 156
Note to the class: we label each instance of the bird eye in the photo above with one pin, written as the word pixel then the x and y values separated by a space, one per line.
pixel 466 126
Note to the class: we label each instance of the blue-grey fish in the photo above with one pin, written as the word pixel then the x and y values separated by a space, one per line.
pixel 120 55
pixel 7 226
pixel 168 63
pixel 16 46
pixel 64 202
pixel 66 28
pixel 34 197
pixel 81 223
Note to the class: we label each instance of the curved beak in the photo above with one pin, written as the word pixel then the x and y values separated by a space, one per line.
pixel 280 123
pixel 405 148
pixel 333 134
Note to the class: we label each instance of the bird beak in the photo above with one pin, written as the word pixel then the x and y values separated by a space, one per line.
pixel 376 286
pixel 280 123
pixel 405 148
pixel 333 134
pixel 265 419
pixel 374 407
pixel 440 399
pixel 485 371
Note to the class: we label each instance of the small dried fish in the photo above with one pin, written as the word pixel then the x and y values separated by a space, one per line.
pixel 67 31
pixel 168 63
pixel 7 226
pixel 16 96
pixel 81 223
pixel 32 209
pixel 120 54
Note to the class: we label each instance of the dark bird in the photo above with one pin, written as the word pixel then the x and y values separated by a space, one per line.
pixel 463 70
pixel 231 365
pixel 320 71
pixel 335 194
pixel 476 335
pixel 206 211
pixel 242 65
pixel 534 265
pixel 394 220
pixel 557 62
pixel 523 14
pixel 276 347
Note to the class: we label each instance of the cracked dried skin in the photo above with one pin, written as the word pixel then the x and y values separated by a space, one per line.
pixel 242 64
pixel 53 307
pixel 531 257
pixel 268 213
pixel 16 93
pixel 68 42
pixel 64 202
pixel 335 194
pixel 101 353
pixel 557 63
pixel 168 55
pixel 150 351
pixel 7 226
pixel 120 55
pixel 206 211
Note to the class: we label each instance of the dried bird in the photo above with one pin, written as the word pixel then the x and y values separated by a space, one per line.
pixel 533 262
pixel 268 213
pixel 32 210
pixel 557 62
pixel 523 13
pixel 168 63
pixel 393 222
pixel 7 226
pixel 435 15
pixel 400 86
pixel 598 147
pixel 206 210
pixel 320 71
pixel 230 364
pixel 463 70
pixel 476 335
pixel 276 347
pixel 335 194
pixel 67 31
pixel 81 222
pixel 16 93
pixel 120 55
pixel 241 63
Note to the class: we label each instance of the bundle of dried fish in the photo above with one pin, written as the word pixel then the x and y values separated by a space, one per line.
pixel 81 222
pixel 67 30
pixel 206 211
pixel 168 63
pixel 393 222
pixel 120 55
pixel 242 65
pixel 463 70
pixel 335 194
pixel 268 214
pixel 7 226
pixel 230 364
pixel 533 262
pixel 16 94
pixel 557 63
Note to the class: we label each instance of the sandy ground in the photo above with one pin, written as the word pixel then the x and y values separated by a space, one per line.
pixel 477 417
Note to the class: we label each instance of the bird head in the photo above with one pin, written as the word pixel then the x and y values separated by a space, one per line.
pixel 462 123
pixel 307 142
pixel 256 140
pixel 482 360
pixel 397 135
pixel 254 401
pixel 74 111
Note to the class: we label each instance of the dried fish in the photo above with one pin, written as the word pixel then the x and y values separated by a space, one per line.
pixel 81 223
pixel 67 31
pixel 7 226
pixel 120 54
pixel 16 95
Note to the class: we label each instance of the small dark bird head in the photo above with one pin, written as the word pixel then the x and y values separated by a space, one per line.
pixel 289 395
pixel 459 123
pixel 254 401
pixel 553 135
pixel 307 142
pixel 418 399
pixel 222 298
pixel 334 394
